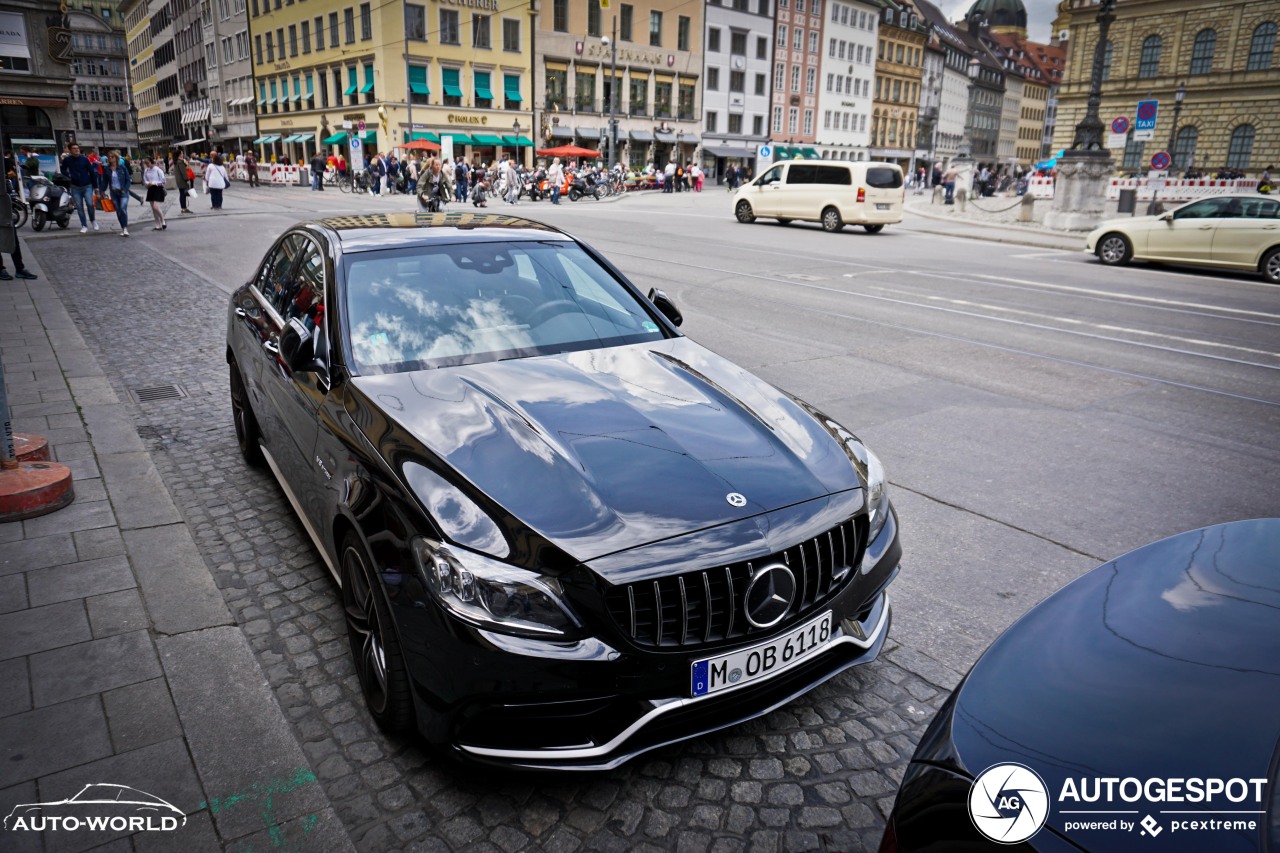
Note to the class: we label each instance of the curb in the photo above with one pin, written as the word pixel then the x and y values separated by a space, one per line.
pixel 1005 233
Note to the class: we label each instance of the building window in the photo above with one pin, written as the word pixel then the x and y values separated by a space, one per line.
pixel 560 16
pixel 449 77
pixel 418 91
pixel 449 26
pixel 782 36
pixel 306 38
pixel 810 80
pixel 333 29
pixel 779 76
pixel 735 123
pixel 713 40
pixel 624 22
pixel 713 79
pixel 484 94
pixel 795 78
pixel 762 47
pixel 480 37
pixel 415 22
pixel 584 90
pixel 511 34
pixel 797 39
pixel 271 49
pixel 684 108
pixel 639 102
pixel 793 119
pixel 711 121
pixel 366 22
pixel 1241 147
pixel 760 84
pixel 1149 62
pixel 593 18
pixel 777 119
pixel 349 25
pixel 557 87
pixel 655 28
pixel 1184 148
pixel 319 25
pixel 1107 51
pixel 293 40
pixel 682 32
pixel 808 122
pixel 813 41
pixel 738 43
pixel 757 125
pixel 1202 52
pixel 1262 47
pixel 737 81
pixel 257 48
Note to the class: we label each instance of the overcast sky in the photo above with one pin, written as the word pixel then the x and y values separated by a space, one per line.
pixel 1040 14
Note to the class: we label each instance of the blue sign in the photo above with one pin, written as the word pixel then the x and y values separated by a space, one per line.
pixel 1160 161
pixel 1146 115
pixel 765 152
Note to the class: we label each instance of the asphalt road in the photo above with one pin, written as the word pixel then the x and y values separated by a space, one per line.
pixel 1037 412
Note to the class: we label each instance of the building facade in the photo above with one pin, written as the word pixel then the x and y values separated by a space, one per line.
pixel 653 83
pixel 1037 69
pixel 797 57
pixel 846 79
pixel 1223 52
pixel 36 55
pixel 229 122
pixel 453 73
pixel 899 80
pixel 954 97
pixel 100 97
pixel 738 57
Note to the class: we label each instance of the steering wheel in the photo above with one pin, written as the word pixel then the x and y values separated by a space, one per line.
pixel 547 310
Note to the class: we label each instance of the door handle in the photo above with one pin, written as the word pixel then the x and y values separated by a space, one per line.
pixel 271 346
pixel 1270 227
pixel 1205 227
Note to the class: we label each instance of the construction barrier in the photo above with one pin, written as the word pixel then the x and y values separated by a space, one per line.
pixel 1182 189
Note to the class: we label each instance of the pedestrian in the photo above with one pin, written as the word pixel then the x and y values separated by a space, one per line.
pixel 949 183
pixel 697 177
pixel 937 174
pixel 115 182
pixel 153 177
pixel 318 166
pixel 555 177
pixel 433 187
pixel 342 166
pixel 9 242
pixel 79 171
pixel 411 172
pixel 393 174
pixel 217 180
pixel 183 177
pixel 251 166
pixel 512 178
pixel 460 179
pixel 30 167
pixel 731 177
pixel 1265 185
pixel 669 175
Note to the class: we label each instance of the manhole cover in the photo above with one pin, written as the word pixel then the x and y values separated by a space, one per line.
pixel 157 392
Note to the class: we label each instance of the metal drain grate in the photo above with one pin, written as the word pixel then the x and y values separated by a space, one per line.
pixel 157 392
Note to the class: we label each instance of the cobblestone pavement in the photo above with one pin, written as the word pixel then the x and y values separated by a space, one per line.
pixel 819 774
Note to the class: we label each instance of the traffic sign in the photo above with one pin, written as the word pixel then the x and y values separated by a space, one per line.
pixel 765 152
pixel 360 125
pixel 1117 140
pixel 1144 135
pixel 1160 160
pixel 1120 124
pixel 357 153
pixel 1146 115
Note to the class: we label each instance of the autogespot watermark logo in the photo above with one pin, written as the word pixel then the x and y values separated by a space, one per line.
pixel 100 807
pixel 1008 803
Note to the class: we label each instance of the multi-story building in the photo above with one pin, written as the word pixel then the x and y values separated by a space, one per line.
pixel 797 56
pixel 229 120
pixel 845 78
pixel 100 97
pixel 654 92
pixel 1036 66
pixel 1010 111
pixel 986 102
pixel 899 79
pixel 957 49
pixel 149 35
pixel 1224 52
pixel 738 57
pixel 35 83
pixel 932 78
pixel 449 72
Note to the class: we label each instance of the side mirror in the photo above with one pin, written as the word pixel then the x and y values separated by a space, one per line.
pixel 668 308
pixel 1166 217
pixel 297 348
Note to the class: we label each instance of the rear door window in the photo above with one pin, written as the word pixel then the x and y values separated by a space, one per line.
pixel 832 175
pixel 883 178
pixel 801 173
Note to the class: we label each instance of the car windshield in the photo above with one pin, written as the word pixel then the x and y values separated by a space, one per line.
pixel 438 306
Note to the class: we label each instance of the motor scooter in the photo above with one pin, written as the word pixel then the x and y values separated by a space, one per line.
pixel 50 202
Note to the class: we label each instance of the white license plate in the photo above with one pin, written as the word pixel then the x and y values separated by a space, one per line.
pixel 882 207
pixel 763 660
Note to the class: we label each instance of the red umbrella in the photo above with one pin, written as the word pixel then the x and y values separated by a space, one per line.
pixel 568 151
pixel 421 145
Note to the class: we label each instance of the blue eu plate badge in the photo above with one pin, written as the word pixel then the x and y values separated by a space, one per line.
pixel 700 685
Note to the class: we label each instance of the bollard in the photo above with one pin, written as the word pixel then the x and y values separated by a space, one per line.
pixel 962 195
pixel 1027 212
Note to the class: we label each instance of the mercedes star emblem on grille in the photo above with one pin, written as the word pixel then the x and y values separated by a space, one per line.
pixel 769 596
pixel 735 499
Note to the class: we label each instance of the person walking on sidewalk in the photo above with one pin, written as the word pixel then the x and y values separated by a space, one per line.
pixel 251 166
pixel 153 177
pixel 216 179
pixel 182 175
pixel 318 165
pixel 115 181
pixel 79 171
pixel 555 177
pixel 9 242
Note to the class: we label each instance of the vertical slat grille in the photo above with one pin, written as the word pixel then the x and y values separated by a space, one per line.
pixel 702 608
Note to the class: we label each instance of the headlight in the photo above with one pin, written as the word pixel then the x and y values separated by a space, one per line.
pixel 872 471
pixel 493 595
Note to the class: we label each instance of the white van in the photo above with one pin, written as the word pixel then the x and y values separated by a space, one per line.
pixel 834 192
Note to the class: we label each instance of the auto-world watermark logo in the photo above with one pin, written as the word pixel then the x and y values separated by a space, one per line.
pixel 99 807
pixel 1009 803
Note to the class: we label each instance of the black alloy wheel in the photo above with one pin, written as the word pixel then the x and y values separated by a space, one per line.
pixel 246 424
pixel 744 213
pixel 575 194
pixel 375 649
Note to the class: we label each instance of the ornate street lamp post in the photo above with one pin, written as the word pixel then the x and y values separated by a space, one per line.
pixel 613 91
pixel 1089 131
pixel 1177 111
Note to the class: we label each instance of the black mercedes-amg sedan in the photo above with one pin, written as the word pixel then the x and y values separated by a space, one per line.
pixel 565 534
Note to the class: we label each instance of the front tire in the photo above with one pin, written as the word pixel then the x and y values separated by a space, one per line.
pixel 375 648
pixel 574 194
pixel 37 221
pixel 874 229
pixel 744 213
pixel 247 433
pixel 831 221
pixel 1114 249
pixel 1271 266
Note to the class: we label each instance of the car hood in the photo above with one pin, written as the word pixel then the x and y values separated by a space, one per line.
pixel 1128 223
pixel 604 450
pixel 1164 663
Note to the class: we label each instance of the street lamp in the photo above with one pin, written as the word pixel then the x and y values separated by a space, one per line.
pixel 1177 111
pixel 1089 131
pixel 98 119
pixel 965 148
pixel 516 127
pixel 612 44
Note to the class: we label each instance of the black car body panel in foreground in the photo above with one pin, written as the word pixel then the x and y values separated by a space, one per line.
pixel 585 535
pixel 1163 664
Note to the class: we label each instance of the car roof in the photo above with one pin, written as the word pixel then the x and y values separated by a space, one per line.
pixel 867 163
pixel 370 231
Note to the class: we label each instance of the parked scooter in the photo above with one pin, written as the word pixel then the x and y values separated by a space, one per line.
pixel 20 211
pixel 584 183
pixel 50 202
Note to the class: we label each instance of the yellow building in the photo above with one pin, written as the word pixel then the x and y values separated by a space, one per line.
pixel 899 72
pixel 1026 61
pixel 1223 51
pixel 142 70
pixel 450 71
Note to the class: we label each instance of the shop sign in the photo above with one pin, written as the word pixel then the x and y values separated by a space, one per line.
pixel 461 119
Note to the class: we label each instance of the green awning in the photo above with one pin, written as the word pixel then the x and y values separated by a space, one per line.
pixel 366 88
pixel 461 139
pixel 782 152
pixel 422 134
pixel 450 79
pixel 289 138
pixel 262 140
pixel 262 102
pixel 518 141
pixel 809 153
pixel 304 137
pixel 418 80
pixel 482 86
pixel 48 143
pixel 297 96
pixel 311 92
pixel 353 82
pixel 511 87
pixel 486 139
pixel 337 139
pixel 419 88
pixel 369 137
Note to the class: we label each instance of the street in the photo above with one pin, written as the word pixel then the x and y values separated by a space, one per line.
pixel 1037 414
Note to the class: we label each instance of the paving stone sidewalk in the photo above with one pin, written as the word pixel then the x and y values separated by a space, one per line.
pixel 120 662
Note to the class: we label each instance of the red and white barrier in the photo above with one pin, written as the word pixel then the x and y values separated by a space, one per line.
pixel 1182 189
pixel 1039 186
